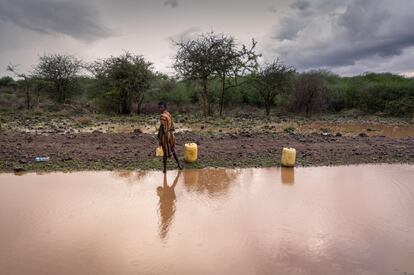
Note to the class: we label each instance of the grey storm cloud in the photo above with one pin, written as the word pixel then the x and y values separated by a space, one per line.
pixel 272 9
pixel 288 28
pixel 73 18
pixel 300 5
pixel 172 3
pixel 185 35
pixel 357 31
pixel 345 36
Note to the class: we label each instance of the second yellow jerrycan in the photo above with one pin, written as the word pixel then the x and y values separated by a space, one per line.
pixel 288 157
pixel 190 152
pixel 159 152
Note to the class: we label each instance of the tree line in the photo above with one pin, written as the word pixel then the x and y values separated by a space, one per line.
pixel 214 72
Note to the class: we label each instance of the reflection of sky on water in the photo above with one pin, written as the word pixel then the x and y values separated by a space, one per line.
pixel 329 220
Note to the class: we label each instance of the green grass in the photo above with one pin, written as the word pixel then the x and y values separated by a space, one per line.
pixel 156 164
pixel 149 164
pixel 289 130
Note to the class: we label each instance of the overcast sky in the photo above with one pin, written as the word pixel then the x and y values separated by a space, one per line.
pixel 346 36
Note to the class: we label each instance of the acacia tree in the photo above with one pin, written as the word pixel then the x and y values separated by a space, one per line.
pixel 233 64
pixel 211 56
pixel 127 78
pixel 271 80
pixel 196 59
pixel 61 70
pixel 310 88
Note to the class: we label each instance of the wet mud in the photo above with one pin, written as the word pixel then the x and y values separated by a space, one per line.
pixel 85 151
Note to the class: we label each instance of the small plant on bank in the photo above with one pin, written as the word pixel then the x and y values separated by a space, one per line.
pixel 289 130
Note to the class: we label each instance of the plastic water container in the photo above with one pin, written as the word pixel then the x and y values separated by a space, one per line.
pixel 159 152
pixel 190 152
pixel 288 157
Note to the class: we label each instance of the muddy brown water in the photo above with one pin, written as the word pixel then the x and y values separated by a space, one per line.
pixel 393 131
pixel 325 220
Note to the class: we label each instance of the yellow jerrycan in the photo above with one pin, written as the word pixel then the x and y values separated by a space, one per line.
pixel 288 157
pixel 190 152
pixel 159 152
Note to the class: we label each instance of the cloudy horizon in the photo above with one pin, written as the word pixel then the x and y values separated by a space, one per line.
pixel 347 37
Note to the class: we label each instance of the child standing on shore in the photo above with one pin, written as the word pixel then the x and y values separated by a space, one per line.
pixel 166 135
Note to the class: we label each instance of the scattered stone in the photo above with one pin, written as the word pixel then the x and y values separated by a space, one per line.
pixel 245 134
pixel 66 158
pixel 233 136
pixel 137 131
pixel 338 134
pixel 363 135
pixel 23 161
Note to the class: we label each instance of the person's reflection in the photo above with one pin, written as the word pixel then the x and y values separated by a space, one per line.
pixel 288 175
pixel 167 204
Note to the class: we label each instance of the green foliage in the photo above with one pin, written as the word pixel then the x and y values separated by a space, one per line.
pixel 371 93
pixel 170 90
pixel 272 80
pixel 121 84
pixel 181 94
pixel 6 81
pixel 311 92
pixel 61 70
pixel 212 56
pixel 122 81
pixel 289 130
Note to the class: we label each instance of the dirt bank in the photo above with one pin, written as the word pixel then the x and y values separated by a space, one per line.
pixel 86 151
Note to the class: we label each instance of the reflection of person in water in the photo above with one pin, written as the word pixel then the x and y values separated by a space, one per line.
pixel 167 204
